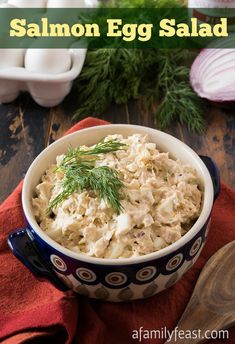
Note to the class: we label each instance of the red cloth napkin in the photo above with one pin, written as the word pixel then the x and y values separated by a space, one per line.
pixel 30 310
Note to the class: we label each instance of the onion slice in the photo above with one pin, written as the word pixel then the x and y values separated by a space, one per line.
pixel 212 75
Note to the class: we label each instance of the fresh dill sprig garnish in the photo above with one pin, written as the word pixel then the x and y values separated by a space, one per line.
pixel 80 174
pixel 105 182
pixel 91 154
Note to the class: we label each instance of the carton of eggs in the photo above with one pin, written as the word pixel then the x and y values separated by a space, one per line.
pixel 50 61
pixel 28 3
pixel 47 74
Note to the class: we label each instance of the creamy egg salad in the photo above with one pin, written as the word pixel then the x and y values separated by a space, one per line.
pixel 161 199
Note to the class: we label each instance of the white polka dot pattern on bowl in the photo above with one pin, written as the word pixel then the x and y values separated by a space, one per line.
pixel 174 262
pixel 58 262
pixel 116 279
pixel 196 246
pixel 146 273
pixel 86 275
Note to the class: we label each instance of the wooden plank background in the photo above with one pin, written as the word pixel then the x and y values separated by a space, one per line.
pixel 26 129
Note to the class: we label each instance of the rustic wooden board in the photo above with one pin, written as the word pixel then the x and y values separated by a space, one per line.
pixel 212 308
pixel 23 129
pixel 26 128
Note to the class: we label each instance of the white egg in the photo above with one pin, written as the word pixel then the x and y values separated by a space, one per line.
pixel 11 58
pixel 4 5
pixel 50 61
pixel 66 4
pixel 92 3
pixel 28 3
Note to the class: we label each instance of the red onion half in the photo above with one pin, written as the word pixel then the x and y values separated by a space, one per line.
pixel 212 75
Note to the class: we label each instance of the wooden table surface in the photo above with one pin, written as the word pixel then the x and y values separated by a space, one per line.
pixel 26 129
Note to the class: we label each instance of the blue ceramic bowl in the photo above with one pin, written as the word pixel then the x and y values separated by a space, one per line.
pixel 113 279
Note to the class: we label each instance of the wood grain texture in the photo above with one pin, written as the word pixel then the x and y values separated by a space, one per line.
pixel 26 129
pixel 22 136
pixel 211 308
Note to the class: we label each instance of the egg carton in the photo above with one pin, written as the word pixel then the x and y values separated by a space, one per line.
pixel 47 89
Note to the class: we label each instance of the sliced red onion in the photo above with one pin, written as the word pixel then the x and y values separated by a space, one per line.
pixel 212 75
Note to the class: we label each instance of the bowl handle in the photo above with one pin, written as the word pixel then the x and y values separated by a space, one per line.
pixel 23 247
pixel 214 172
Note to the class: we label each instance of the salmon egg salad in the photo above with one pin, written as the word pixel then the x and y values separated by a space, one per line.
pixel 120 198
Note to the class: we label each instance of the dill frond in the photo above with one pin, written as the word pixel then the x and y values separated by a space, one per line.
pixel 80 174
pixel 120 75
pixel 105 182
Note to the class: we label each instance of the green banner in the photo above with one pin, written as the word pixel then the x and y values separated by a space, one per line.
pixel 116 27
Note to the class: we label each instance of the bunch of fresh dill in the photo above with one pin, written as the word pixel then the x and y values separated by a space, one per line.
pixel 119 75
pixel 80 173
